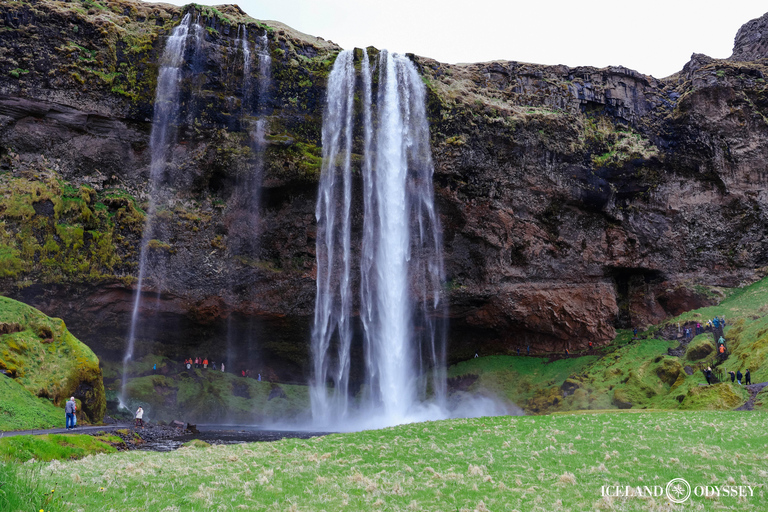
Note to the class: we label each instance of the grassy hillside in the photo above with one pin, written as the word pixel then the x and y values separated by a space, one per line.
pixel 20 409
pixel 44 357
pixel 639 373
pixel 556 462
pixel 204 396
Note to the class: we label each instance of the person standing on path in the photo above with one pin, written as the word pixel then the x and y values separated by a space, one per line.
pixel 738 376
pixel 747 378
pixel 69 408
pixel 708 374
pixel 733 376
pixel 140 417
pixel 222 367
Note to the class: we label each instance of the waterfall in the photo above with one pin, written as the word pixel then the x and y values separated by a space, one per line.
pixel 334 292
pixel 243 207
pixel 400 261
pixel 165 115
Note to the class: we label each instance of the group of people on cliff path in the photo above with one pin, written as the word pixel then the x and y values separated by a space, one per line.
pixel 737 376
pixel 201 362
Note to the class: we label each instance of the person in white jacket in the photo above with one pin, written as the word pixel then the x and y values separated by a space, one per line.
pixel 139 416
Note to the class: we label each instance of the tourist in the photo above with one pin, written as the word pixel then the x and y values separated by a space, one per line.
pixel 475 355
pixel 222 367
pixel 747 378
pixel 69 409
pixel 213 365
pixel 567 352
pixel 590 344
pixel 140 417
pixel 518 350
pixel 698 328
pixel 733 376
pixel 529 350
pixel 205 363
pixel 154 368
pixel 243 372
pixel 189 363
pixel 259 379
pixel 722 349
pixel 634 332
pixel 721 340
pixel 738 376
pixel 708 374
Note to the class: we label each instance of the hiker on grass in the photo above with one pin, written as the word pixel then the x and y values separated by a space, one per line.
pixel 139 417
pixel 222 367
pixel 708 374
pixel 738 376
pixel 205 363
pixel 733 376
pixel 69 409
pixel 747 378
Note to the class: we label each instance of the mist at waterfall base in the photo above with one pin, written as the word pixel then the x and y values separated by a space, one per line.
pixel 399 263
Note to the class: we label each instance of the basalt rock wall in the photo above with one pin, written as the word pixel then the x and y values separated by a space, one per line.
pixel 573 201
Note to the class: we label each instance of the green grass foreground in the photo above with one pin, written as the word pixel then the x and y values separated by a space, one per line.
pixel 56 446
pixel 547 463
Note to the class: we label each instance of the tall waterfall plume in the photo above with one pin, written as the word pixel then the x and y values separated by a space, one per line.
pixel 401 310
pixel 165 116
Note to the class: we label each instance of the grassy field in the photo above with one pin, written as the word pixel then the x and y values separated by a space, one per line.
pixel 56 446
pixel 548 463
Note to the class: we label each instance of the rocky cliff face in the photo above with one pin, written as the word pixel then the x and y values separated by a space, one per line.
pixel 573 200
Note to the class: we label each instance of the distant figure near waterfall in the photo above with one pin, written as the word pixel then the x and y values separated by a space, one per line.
pixel 747 378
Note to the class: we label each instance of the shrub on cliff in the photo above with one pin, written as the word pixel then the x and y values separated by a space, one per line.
pixel 45 358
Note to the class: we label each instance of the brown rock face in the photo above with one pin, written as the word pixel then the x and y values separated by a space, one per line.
pixel 573 200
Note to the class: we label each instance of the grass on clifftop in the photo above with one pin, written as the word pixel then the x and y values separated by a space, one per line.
pixel 544 463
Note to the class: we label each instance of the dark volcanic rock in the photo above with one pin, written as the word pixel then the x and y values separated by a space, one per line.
pixel 572 200
pixel 751 41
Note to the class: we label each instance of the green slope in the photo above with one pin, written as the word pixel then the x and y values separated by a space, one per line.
pixel 44 357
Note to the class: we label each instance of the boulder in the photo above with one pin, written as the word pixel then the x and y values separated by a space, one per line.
pixel 699 349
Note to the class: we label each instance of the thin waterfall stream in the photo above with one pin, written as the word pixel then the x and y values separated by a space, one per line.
pixel 165 113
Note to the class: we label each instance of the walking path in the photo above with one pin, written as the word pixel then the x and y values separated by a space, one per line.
pixel 753 389
pixel 76 430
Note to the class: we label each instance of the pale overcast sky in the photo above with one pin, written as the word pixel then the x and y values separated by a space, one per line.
pixel 655 37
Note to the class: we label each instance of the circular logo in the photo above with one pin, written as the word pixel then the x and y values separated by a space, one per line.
pixel 678 490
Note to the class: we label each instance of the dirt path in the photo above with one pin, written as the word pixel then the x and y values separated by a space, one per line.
pixel 76 430
pixel 753 389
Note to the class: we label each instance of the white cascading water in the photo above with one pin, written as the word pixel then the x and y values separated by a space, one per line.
pixel 400 260
pixel 165 111
pixel 333 303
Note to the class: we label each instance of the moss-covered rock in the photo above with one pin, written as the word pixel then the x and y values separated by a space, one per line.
pixel 723 396
pixel 699 348
pixel 49 361
pixel 669 370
